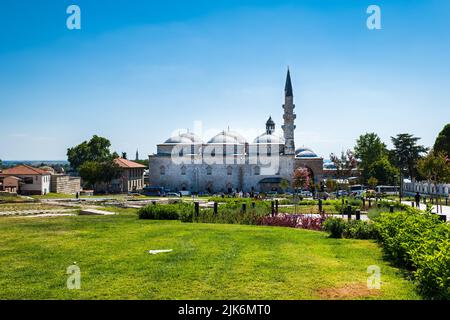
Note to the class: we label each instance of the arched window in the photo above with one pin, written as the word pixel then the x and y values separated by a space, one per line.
pixel 183 170
pixel 257 171
pixel 162 170
pixel 208 170
pixel 229 170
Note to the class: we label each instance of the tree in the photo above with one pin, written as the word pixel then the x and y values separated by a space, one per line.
pixel 369 149
pixel 372 182
pixel 384 172
pixel 442 143
pixel 1 164
pixel 435 167
pixel 97 149
pixel 344 164
pixel 406 153
pixel 93 172
pixel 331 184
pixel 300 178
pixel 284 184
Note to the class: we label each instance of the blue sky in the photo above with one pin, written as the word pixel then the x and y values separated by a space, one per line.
pixel 139 70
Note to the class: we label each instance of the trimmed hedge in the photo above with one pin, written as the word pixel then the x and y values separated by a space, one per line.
pixel 420 242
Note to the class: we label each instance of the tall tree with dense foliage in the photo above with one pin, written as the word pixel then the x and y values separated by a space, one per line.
pixel 94 172
pixel 442 143
pixel 369 149
pixel 97 149
pixel 406 153
pixel 435 167
pixel 384 172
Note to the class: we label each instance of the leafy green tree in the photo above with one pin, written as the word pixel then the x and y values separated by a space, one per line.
pixel 435 167
pixel 93 172
pixel 369 149
pixel 1 164
pixel 97 149
pixel 372 181
pixel 442 143
pixel 384 172
pixel 406 153
pixel 284 184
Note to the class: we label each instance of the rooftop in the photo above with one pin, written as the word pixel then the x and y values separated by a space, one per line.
pixel 24 170
pixel 124 163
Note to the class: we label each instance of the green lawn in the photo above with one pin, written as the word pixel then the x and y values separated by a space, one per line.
pixel 208 261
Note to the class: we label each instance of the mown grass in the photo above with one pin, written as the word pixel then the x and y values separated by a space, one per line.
pixel 209 261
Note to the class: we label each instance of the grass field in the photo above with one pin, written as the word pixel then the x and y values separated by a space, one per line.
pixel 208 261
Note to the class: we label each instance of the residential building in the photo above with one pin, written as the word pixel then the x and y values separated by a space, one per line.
pixel 32 180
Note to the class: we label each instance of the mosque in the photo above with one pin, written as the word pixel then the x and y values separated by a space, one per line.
pixel 228 163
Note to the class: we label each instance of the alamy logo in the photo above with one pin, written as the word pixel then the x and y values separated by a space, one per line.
pixel 73 22
pixel 374 20
pixel 74 279
pixel 374 279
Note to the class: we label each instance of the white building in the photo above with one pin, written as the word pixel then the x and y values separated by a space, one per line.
pixel 32 180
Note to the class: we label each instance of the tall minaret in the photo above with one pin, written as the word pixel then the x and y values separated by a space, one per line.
pixel 289 117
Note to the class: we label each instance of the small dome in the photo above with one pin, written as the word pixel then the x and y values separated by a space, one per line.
pixel 269 139
pixel 305 153
pixel 184 138
pixel 227 137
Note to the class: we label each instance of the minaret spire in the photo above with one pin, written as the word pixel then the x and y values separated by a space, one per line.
pixel 288 117
pixel 288 86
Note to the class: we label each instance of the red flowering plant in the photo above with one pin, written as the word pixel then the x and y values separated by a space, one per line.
pixel 303 221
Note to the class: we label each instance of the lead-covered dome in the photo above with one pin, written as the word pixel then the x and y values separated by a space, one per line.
pixel 184 138
pixel 305 153
pixel 269 139
pixel 227 137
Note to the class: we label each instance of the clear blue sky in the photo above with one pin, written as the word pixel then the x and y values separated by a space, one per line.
pixel 138 70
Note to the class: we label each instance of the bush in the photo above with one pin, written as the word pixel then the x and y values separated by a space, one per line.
pixel 232 213
pixel 166 211
pixel 356 229
pixel 420 242
pixel 294 221
pixel 335 226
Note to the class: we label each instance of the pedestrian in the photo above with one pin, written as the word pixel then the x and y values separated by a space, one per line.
pixel 417 198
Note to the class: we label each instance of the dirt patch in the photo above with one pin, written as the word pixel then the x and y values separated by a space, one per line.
pixel 348 291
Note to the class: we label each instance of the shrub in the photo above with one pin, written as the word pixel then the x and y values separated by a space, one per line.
pixel 166 211
pixel 420 242
pixel 335 226
pixel 294 221
pixel 358 229
pixel 232 213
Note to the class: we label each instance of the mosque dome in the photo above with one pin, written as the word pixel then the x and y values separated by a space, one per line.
pixel 227 137
pixel 184 138
pixel 305 153
pixel 269 139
